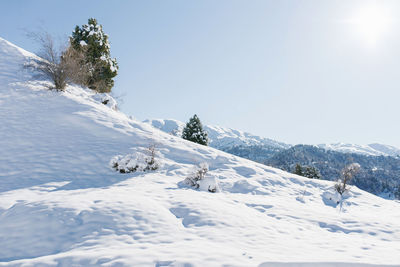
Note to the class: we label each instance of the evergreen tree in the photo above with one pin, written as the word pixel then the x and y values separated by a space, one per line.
pixel 298 170
pixel 91 39
pixel 397 193
pixel 309 172
pixel 194 132
pixel 312 173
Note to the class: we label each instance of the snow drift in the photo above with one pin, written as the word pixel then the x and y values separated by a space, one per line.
pixel 61 204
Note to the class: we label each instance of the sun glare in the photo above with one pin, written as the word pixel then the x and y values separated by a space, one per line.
pixel 372 22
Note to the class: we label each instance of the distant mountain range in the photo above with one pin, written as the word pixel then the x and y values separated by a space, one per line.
pixel 369 150
pixel 220 137
pixel 234 140
pixel 380 173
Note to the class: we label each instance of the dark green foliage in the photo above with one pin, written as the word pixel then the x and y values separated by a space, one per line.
pixel 194 132
pixel 91 39
pixel 312 173
pixel 298 170
pixel 397 193
pixel 378 173
pixel 309 172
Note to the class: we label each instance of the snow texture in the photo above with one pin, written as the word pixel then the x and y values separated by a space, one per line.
pixel 62 205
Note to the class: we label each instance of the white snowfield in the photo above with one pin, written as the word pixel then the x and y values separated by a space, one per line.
pixel 61 204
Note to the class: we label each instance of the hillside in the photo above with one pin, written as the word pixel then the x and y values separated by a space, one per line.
pixel 61 203
pixel 380 164
pixel 379 175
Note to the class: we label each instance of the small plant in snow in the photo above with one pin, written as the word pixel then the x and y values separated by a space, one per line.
pixel 136 162
pixel 347 174
pixel 200 180
pixel 151 162
pixel 197 175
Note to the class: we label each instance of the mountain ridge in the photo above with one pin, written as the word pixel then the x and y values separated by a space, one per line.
pixel 227 138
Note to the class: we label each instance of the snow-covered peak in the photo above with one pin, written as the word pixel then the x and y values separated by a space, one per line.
pixel 220 137
pixel 369 150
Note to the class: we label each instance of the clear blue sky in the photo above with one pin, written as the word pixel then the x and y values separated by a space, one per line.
pixel 295 71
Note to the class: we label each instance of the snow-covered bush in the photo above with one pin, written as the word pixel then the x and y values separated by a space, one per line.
pixel 107 100
pixel 199 179
pixel 151 162
pixel 347 174
pixel 137 161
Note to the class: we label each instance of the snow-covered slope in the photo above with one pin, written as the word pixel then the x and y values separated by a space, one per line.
pixel 220 137
pixel 369 150
pixel 62 205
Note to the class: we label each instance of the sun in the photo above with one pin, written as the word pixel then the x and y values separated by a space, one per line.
pixel 372 22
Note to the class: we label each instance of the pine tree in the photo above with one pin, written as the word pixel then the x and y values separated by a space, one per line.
pixel 397 193
pixel 91 39
pixel 309 172
pixel 194 132
pixel 298 170
pixel 312 173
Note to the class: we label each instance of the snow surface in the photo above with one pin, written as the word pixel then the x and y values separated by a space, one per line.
pixel 61 204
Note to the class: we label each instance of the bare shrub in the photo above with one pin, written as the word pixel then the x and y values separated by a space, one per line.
pixel 197 175
pixel 60 64
pixel 347 174
pixel 151 162
pixel 50 65
pixel 73 63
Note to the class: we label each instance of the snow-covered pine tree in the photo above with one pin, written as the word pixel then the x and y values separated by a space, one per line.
pixel 311 172
pixel 194 132
pixel 91 39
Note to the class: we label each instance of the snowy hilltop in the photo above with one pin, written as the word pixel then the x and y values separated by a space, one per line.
pixel 79 187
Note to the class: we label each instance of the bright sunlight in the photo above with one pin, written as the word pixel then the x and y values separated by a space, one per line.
pixel 372 22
